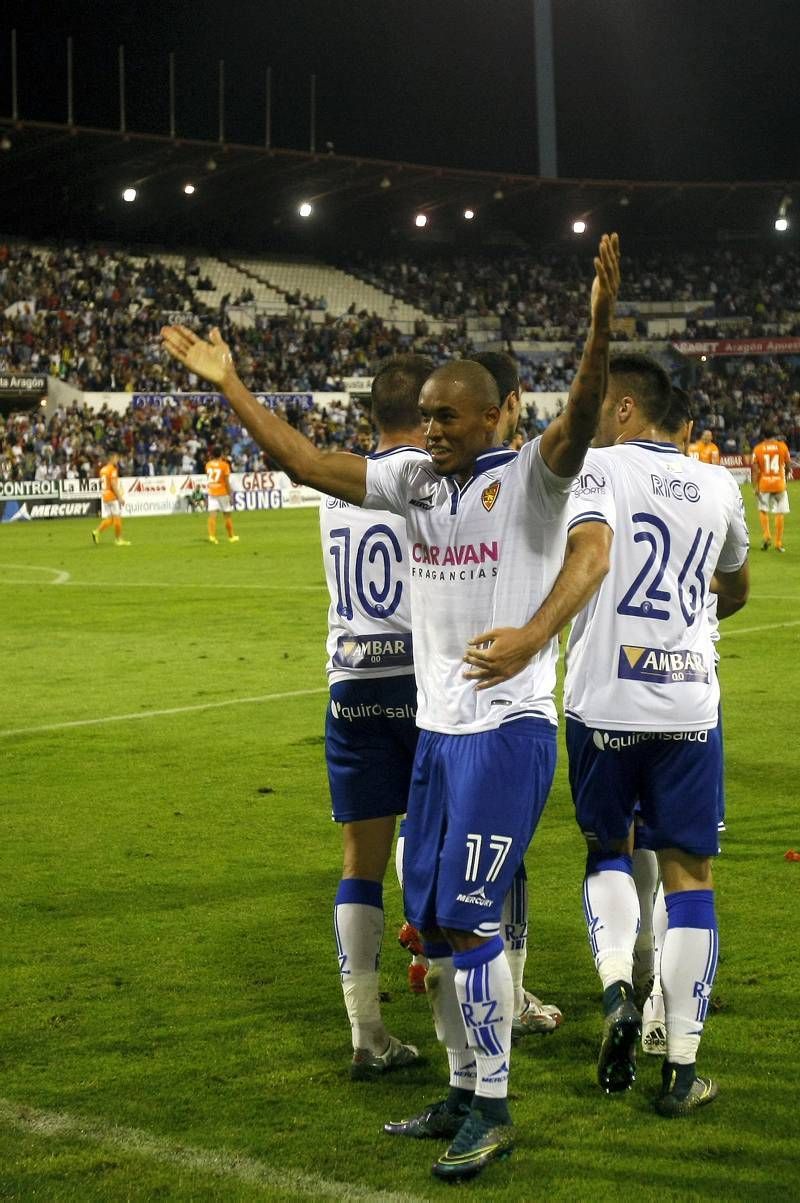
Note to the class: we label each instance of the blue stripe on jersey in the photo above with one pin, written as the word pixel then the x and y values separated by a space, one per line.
pixel 665 448
pixel 595 517
pixel 396 451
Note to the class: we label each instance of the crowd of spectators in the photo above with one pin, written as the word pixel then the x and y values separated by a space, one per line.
pixel 91 317
pixel 546 292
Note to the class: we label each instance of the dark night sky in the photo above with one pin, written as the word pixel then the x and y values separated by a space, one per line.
pixel 646 89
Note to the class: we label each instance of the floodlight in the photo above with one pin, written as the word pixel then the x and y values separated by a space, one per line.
pixel 306 209
pixel 420 221
pixel 189 189
pixel 129 195
pixel 579 227
pixel 498 194
pixel 469 214
pixel 781 224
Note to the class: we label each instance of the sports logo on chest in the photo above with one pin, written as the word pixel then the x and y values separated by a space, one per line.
pixel 489 495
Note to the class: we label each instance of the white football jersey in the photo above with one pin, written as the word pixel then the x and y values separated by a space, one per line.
pixel 482 555
pixel 366 567
pixel 640 656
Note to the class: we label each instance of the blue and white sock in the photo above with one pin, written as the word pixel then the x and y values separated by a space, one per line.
pixel 486 997
pixel 447 1018
pixel 398 852
pixel 688 965
pixel 611 907
pixel 514 930
pixel 645 876
pixel 358 927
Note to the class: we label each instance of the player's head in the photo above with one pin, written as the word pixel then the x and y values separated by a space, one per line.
pixel 706 437
pixel 504 372
pixel 395 393
pixel 677 421
pixel 216 450
pixel 461 411
pixel 113 456
pixel 637 397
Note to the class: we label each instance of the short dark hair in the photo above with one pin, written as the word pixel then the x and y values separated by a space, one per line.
pixel 645 379
pixel 504 370
pixel 395 392
pixel 216 451
pixel 679 412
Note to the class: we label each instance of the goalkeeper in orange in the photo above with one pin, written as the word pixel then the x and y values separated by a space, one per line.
pixel 218 488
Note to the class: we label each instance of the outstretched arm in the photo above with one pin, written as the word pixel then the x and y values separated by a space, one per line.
pixel 566 439
pixel 510 649
pixel 335 472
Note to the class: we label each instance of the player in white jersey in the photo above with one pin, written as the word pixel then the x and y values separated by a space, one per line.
pixel 370 729
pixel 487 531
pixel 641 698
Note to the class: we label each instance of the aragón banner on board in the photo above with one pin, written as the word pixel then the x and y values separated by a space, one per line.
pixel 738 346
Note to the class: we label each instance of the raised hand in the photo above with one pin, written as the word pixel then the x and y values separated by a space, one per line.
pixel 212 360
pixel 605 285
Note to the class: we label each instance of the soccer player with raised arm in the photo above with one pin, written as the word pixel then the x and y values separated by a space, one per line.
pixel 486 530
pixel 641 698
pixel 768 468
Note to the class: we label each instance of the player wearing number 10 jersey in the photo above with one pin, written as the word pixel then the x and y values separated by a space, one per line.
pixel 641 698
pixel 370 728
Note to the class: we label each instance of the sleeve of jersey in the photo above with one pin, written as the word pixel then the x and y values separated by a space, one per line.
pixel 387 484
pixel 591 497
pixel 550 493
pixel 737 538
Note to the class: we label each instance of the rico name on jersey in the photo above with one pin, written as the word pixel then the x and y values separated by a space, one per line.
pixel 640 655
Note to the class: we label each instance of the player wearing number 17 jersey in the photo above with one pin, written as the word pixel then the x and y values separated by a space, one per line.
pixel 487 534
pixel 641 698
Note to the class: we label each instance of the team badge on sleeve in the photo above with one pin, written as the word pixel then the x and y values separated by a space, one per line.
pixel 489 495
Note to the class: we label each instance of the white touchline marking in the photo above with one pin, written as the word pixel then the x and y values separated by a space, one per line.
pixel 124 718
pixel 187 586
pixel 770 626
pixel 59 576
pixel 218 1163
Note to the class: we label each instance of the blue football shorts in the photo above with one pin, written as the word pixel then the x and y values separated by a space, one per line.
pixel 370 741
pixel 474 804
pixel 673 776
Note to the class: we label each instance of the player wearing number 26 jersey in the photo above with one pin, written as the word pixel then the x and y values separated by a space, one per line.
pixel 641 698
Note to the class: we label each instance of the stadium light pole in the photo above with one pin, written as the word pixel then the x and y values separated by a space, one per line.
pixel 122 89
pixel 268 111
pixel 221 101
pixel 545 87
pixel 171 94
pixel 70 95
pixel 312 133
pixel 14 96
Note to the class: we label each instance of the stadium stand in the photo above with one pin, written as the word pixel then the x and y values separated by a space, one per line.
pixel 90 316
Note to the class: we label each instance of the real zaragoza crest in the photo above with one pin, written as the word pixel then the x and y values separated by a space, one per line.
pixel 489 495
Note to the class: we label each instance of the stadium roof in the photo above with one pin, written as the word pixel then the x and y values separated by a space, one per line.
pixel 58 181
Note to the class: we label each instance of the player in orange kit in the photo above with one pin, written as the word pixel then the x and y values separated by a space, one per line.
pixel 706 449
pixel 768 476
pixel 218 471
pixel 112 502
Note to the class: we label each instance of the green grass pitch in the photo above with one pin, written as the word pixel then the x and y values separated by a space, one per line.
pixel 172 1025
